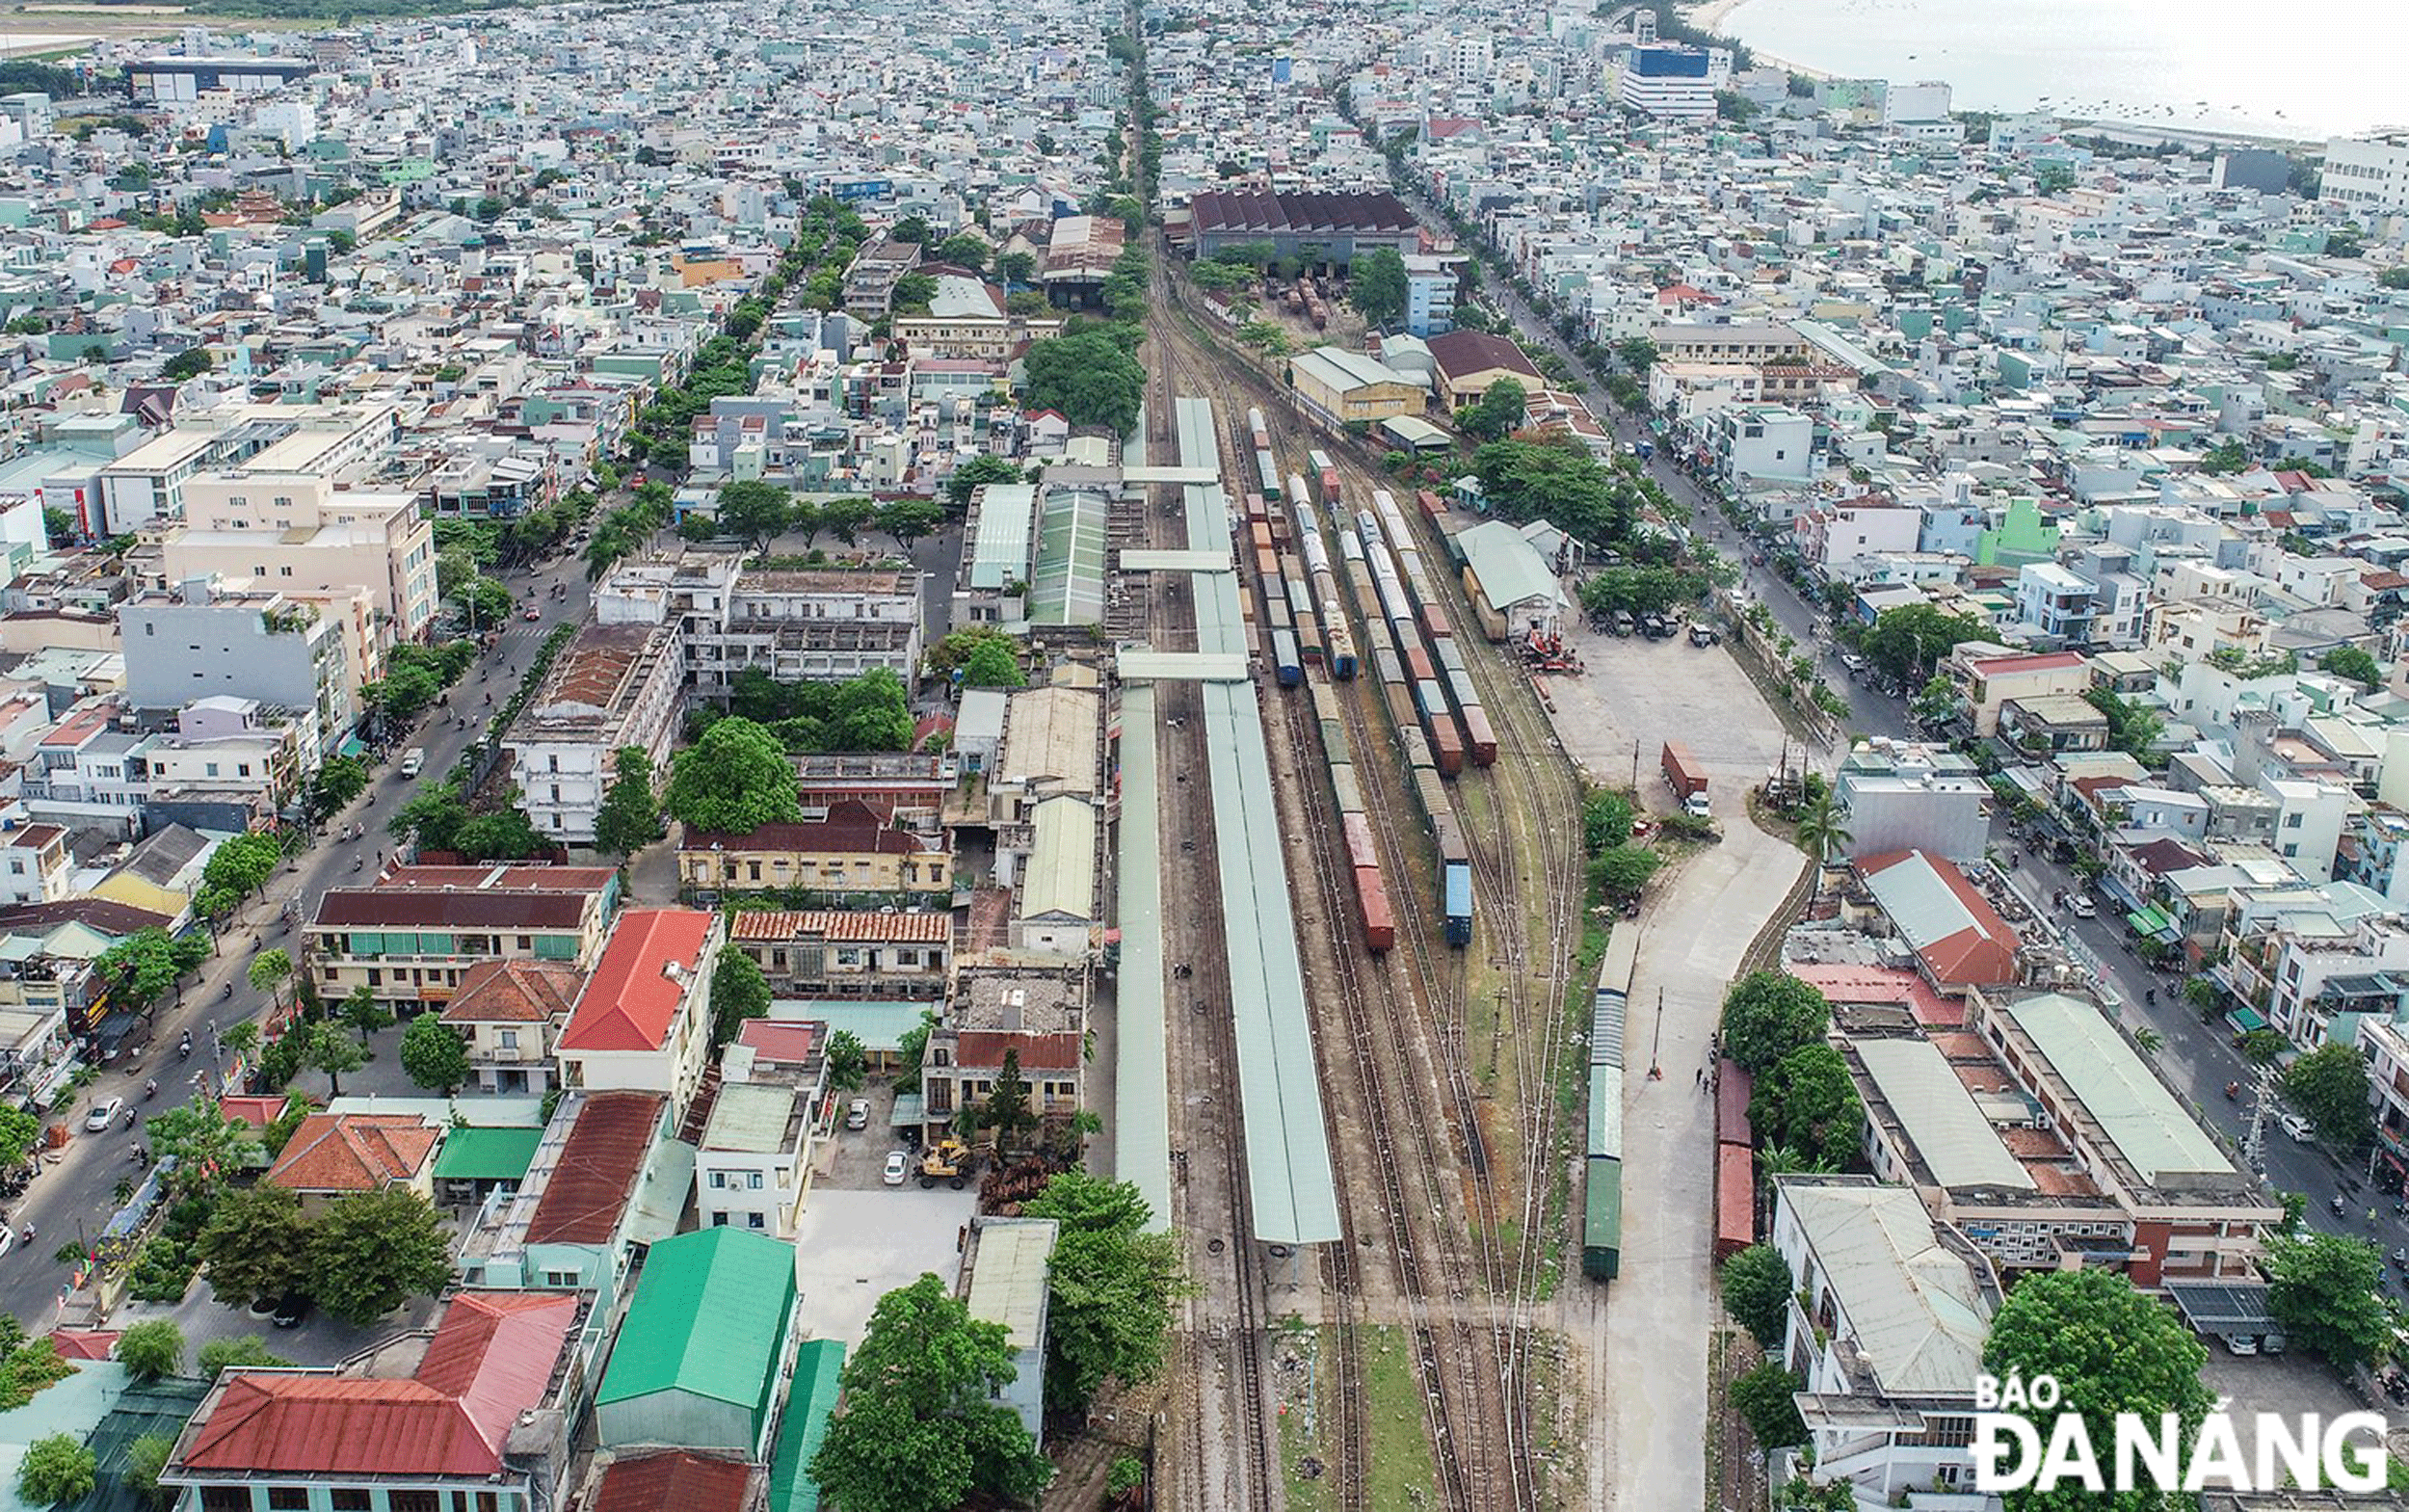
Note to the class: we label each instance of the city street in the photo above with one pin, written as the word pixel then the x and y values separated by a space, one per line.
pixel 73 1193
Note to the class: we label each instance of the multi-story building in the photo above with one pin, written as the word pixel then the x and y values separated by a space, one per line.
pixel 1033 1009
pixel 508 1012
pixel 615 685
pixel 870 278
pixel 238 639
pixel 34 864
pixel 643 1022
pixel 229 764
pixel 1887 1328
pixel 849 852
pixel 1430 285
pixel 1986 677
pixel 2366 176
pixel 1673 83
pixel 1762 444
pixel 753 1164
pixel 848 954
pixel 298 530
pixel 1907 797
pixel 413 937
pixel 2293 957
pixel 795 625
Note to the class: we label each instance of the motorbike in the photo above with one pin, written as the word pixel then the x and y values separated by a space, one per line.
pixel 150 1089
pixel 2335 1203
pixel 2233 1091
pixel 228 992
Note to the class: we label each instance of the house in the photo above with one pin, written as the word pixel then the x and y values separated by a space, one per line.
pixel 1058 910
pixel 509 1010
pixel 754 1161
pixel 34 864
pixel 1338 386
pixel 605 1177
pixel 476 1414
pixel 412 936
pixel 701 1357
pixel 1886 1328
pixel 832 953
pixel 651 1480
pixel 1007 1265
pixel 1900 797
pixel 1986 678
pixel 1512 584
pixel 1468 363
pixel 643 1021
pixel 1958 937
pixel 1006 1006
pixel 334 1155
pixel 2053 723
pixel 849 852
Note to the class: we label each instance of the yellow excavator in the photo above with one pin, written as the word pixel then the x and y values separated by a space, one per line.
pixel 948 1161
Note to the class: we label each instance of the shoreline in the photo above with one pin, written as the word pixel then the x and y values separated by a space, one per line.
pixel 1709 18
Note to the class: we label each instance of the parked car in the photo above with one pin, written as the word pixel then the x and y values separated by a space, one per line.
pixel 858 1113
pixel 103 1114
pixel 898 1167
pixel 532 616
pixel 2296 1127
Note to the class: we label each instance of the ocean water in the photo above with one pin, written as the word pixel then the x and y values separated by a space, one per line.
pixel 2309 70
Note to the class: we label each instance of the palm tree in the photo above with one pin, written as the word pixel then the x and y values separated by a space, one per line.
pixel 1822 831
pixel 1779 1160
pixel 2148 1041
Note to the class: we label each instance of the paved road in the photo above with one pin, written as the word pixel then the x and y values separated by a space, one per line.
pixel 75 1193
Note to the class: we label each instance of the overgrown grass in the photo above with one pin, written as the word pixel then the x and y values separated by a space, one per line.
pixel 1396 1440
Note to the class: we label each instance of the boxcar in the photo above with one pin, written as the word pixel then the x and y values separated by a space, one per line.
pixel 1287 665
pixel 1455 901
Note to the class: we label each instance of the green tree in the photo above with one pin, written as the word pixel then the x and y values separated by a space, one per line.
pixel 363 1012
pixel 434 1055
pixel 2132 728
pixel 910 520
pixel 756 512
pixel 919 1428
pixel 1822 833
pixel 971 474
pixel 2330 1085
pixel 962 250
pixel 1006 1109
pixel 268 972
pixel 845 518
pixel 220 1354
pixel 1087 376
pixel 1769 1014
pixel 2349 661
pixel 630 816
pixel 1807 1099
pixel 955 651
pixel 1621 871
pixel 1637 353
pixel 911 1047
pixel 370 1253
pixel 1606 821
pixel 57 1468
pixel 2327 1290
pixel 138 969
pixel 191 363
pixel 1376 286
pixel 2111 1350
pixel 1015 267
pixel 207 1145
pixel 733 780
pixel 243 863
pixel 910 228
pixel 2263 1046
pixel 152 1349
pixel 327 1048
pixel 19 1129
pixel 1498 414
pixel 58 526
pixel 1111 1289
pixel 1734 107
pixel 1906 642
pixel 1756 1287
pixel 2224 459
pixel 915 293
pixel 1762 1398
pixel 738 992
pixel 147 1456
pixel 847 1061
pixel 993 665
pixel 257 1245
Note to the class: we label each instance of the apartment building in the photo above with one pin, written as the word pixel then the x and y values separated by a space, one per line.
pixel 229 764
pixel 643 1022
pixel 2295 957
pixel 300 530
pixel 36 865
pixel 413 937
pixel 753 1164
pixel 213 637
pixel 848 852
pixel 796 624
pixel 615 685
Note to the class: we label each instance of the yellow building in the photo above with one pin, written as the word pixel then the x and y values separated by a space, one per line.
pixel 1342 386
pixel 850 851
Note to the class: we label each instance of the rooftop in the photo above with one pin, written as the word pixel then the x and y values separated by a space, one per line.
pixel 646 974
pixel 709 1319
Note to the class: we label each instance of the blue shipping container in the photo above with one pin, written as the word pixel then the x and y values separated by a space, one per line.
pixel 1456 900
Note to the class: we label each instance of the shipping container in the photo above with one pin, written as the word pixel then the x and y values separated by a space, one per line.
pixel 1287 665
pixel 1455 896
pixel 1358 830
pixel 1480 743
pixel 1373 909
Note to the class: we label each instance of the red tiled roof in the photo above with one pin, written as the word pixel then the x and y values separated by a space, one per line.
pixel 632 999
pixel 515 992
pixel 983 1048
pixel 673 1478
pixel 1462 352
pixel 256 1111
pixel 85 1343
pixel 353 1152
pixel 597 1169
pixel 781 1044
pixel 1983 952
pixel 926 928
pixel 491 1359
pixel 2035 661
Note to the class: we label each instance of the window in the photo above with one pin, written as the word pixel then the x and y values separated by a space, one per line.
pixel 414 1502
pixel 719 1180
pixel 2291 821
pixel 719 1220
pixel 754 1220
pixel 509 1039
pixel 226 1498
pixel 349 1499
pixel 288 1499
pixel 753 1179
pixel 563 1279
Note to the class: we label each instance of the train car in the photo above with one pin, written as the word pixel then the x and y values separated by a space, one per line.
pixel 1275 614
pixel 1433 618
pixel 1455 901
pixel 1418 664
pixel 1432 504
pixel 1308 634
pixel 1328 476
pixel 1267 471
pixel 1340 641
pixel 1287 665
pixel 1255 430
pixel 1446 742
pixel 1400 698
pixel 1417 748
pixel 1602 1218
pixel 1447 833
pixel 1357 830
pixel 1344 789
pixel 1480 742
pixel 1373 911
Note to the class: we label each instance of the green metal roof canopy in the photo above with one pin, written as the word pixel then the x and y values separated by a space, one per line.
pixel 709 1319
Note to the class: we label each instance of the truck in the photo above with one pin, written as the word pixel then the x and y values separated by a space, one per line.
pixel 413 761
pixel 1686 778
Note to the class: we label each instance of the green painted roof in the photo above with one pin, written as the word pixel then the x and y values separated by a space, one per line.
pixel 711 1310
pixel 487 1154
pixel 813 1397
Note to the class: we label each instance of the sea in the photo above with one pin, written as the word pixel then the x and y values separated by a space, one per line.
pixel 2304 71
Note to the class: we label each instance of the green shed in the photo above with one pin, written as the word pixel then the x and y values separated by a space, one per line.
pixel 701 1357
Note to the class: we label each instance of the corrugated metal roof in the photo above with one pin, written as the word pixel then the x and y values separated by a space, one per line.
pixel 1061 874
pixel 1067 583
pixel 1008 1275
pixel 709 1319
pixel 2142 1118
pixel 1141 1073
pixel 1144 666
pixel 1939 1116
pixel 1919 902
pixel 999 553
pixel 487 1154
pixel 819 1363
pixel 1914 1308
pixel 1509 568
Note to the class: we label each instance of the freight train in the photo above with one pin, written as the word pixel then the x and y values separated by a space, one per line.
pixel 1602 1164
pixel 1372 909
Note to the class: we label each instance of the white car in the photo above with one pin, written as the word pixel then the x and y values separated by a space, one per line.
pixel 103 1114
pixel 858 1113
pixel 2081 905
pixel 2296 1127
pixel 898 1167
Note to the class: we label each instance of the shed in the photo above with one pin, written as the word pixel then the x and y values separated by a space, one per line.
pixel 699 1355
pixel 476 1161
pixel 819 1364
pixel 1513 585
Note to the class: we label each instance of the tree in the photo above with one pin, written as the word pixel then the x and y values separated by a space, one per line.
pixel 207 1145
pixel 371 1253
pixel 2225 458
pixel 952 654
pixel 152 1349
pixel 363 1012
pixel 1621 871
pixel 1376 285
pixel 1637 353
pixel 733 780
pixel 1110 1290
pixel 57 1468
pixel 915 293
pixel 845 518
pixel 2263 1046
pixel 1087 375
pixel 434 1055
pixel 1762 1398
pixel 847 1060
pixel 911 1047
pixel 1734 107
pixel 2111 1350
pixel 1006 1108
pixel 191 363
pixel 920 1429
pixel 910 228
pixel 1606 821
pixel 327 1048
pixel 2132 728
pixel 220 1354
pixel 910 520
pixel 2349 661
pixel 257 1245
pixel 246 862
pixel 1906 642
pixel 755 511
pixel 268 972
pixel 1822 833
pixel 137 969
pixel 147 1455
pixel 1498 414
pixel 1015 267
pixel 19 1129
pixel 1756 1287
pixel 1769 1014
pixel 58 526
pixel 971 474
pixel 630 816
pixel 738 992
pixel 2330 1085
pixel 1808 1100
pixel 962 250
pixel 2327 1290
pixel 994 664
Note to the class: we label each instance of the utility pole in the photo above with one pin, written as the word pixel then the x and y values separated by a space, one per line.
pixel 1655 1042
pixel 2254 1138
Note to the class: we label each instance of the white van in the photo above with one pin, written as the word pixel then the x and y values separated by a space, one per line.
pixel 413 760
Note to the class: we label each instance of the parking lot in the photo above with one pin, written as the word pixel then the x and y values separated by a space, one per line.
pixel 1639 693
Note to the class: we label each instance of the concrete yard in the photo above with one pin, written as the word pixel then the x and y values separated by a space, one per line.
pixel 854 1247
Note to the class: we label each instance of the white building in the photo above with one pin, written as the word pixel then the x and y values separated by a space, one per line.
pixel 1886 1325
pixel 1673 83
pixel 1900 797
pixel 615 685
pixel 2309 822
pixel 2366 174
pixel 754 1162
